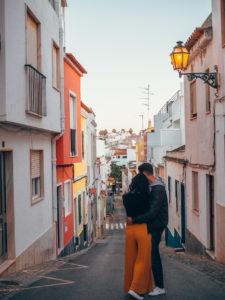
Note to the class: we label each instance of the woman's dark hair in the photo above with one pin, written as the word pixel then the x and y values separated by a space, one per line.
pixel 140 184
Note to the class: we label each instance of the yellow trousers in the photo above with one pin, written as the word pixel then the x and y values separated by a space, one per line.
pixel 138 274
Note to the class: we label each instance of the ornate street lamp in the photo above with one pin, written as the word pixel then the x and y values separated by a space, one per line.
pixel 179 60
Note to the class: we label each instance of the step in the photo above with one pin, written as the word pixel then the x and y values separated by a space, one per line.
pixel 5 265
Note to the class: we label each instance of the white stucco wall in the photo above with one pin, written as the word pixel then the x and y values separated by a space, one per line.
pixel 168 129
pixel 31 221
pixel 2 59
pixel 176 172
pixel 198 224
pixel 15 75
pixel 199 131
pixel 131 155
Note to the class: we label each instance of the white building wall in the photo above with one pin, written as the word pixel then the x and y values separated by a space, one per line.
pixel 168 129
pixel 131 155
pixel 176 172
pixel 170 137
pixel 14 103
pixel 199 149
pixel 198 223
pixel 2 59
pixel 31 221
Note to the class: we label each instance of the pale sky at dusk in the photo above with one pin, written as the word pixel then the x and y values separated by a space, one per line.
pixel 124 45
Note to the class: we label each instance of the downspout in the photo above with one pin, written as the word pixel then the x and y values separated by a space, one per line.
pixel 62 117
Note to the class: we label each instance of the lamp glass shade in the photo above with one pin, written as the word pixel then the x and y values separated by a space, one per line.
pixel 179 57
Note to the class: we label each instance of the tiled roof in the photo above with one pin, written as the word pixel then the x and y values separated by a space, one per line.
pixel 198 32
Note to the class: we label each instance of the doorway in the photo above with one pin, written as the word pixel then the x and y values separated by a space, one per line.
pixel 59 217
pixel 3 215
pixel 210 185
pixel 183 214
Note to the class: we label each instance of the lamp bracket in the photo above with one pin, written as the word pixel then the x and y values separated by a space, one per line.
pixel 209 78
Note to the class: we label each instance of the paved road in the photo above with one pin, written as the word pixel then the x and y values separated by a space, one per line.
pixel 98 275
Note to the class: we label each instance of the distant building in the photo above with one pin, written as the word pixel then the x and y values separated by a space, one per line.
pixel 168 132
pixel 91 175
pixel 130 170
pixel 119 157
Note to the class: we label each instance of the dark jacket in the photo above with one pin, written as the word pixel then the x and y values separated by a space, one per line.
pixel 157 215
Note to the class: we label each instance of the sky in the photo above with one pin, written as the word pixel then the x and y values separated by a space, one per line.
pixel 125 45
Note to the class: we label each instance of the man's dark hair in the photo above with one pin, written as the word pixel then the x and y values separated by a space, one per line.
pixel 146 167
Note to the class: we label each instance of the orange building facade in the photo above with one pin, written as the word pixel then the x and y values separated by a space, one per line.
pixel 68 153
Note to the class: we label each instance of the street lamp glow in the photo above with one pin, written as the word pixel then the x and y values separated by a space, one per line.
pixel 179 57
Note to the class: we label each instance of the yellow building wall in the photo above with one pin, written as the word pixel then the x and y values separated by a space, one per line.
pixel 81 168
pixel 140 155
pixel 79 186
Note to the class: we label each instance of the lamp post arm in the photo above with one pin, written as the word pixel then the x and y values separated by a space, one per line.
pixel 209 78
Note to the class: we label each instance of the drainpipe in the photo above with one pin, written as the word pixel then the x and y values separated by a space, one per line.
pixel 62 116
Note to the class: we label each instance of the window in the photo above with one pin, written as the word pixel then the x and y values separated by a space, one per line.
pixel 124 156
pixel 36 82
pixel 37 180
pixel 177 194
pixel 211 210
pixel 169 188
pixel 222 4
pixel 207 96
pixel 67 197
pixel 79 210
pixel 55 67
pixel 73 125
pixel 193 99
pixel 83 150
pixel 33 41
pixel 195 191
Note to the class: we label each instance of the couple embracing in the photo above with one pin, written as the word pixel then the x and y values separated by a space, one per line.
pixel 147 216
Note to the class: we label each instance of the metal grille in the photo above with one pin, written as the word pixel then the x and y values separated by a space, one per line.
pixel 36 91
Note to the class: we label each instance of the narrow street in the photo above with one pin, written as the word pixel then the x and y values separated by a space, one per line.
pixel 98 273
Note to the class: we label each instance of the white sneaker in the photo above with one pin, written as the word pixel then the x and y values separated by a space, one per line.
pixel 135 295
pixel 157 291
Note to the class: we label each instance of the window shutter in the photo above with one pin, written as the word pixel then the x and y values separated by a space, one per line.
pixel 35 164
pixel 32 42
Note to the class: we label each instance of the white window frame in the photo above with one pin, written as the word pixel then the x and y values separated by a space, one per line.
pixel 67 208
pixel 56 46
pixel 73 95
pixel 38 197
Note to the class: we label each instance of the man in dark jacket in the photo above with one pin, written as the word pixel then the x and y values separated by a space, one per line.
pixel 157 220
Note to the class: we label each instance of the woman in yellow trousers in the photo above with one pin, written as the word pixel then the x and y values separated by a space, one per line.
pixel 138 274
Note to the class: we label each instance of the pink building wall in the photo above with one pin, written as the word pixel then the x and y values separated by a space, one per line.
pixel 199 146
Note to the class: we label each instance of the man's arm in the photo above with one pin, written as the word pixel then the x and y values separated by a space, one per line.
pixel 155 205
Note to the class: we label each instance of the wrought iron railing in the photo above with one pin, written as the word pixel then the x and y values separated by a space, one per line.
pixel 36 91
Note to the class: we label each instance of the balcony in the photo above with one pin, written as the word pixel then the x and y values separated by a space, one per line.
pixel 36 92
